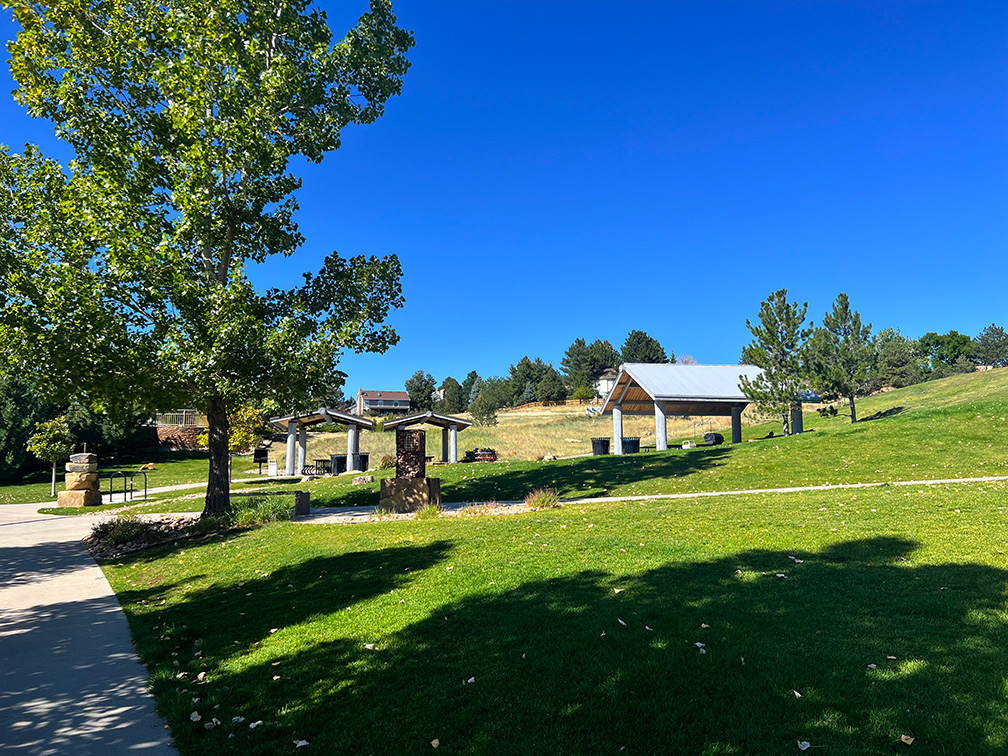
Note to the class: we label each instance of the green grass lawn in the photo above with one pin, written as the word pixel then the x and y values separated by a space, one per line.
pixel 359 638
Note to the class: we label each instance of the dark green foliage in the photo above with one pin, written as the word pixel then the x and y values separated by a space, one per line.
pixel 452 396
pixel 840 355
pixel 483 411
pixel 497 392
pixel 582 362
pixel 778 347
pixel 551 387
pixel 897 360
pixel 945 348
pixel 991 347
pixel 467 389
pixel 110 436
pixel 524 372
pixel 639 347
pixel 20 411
pixel 120 530
pixel 421 389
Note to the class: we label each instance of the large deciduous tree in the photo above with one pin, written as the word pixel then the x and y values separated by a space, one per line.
pixel 131 274
pixel 639 347
pixel 778 347
pixel 840 354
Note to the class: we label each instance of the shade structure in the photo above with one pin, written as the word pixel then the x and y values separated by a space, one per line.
pixel 296 427
pixel 449 424
pixel 709 390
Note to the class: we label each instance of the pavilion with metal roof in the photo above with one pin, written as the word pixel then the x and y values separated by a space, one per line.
pixel 297 433
pixel 449 425
pixel 642 388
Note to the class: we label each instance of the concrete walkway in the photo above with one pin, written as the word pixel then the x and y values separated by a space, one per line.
pixel 70 680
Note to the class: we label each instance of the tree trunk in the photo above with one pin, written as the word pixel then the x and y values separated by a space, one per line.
pixel 786 422
pixel 53 492
pixel 853 411
pixel 218 495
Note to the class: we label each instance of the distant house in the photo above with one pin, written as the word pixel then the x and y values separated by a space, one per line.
pixel 604 381
pixel 382 402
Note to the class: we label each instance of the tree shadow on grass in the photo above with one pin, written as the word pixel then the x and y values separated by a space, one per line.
pixel 567 665
pixel 590 476
pixel 883 414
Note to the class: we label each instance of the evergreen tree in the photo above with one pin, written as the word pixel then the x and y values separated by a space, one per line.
pixel 778 347
pixel 477 386
pixel 551 387
pixel 582 362
pixel 639 347
pixel 991 347
pixel 452 396
pixel 483 411
pixel 897 360
pixel 524 372
pixel 467 389
pixel 421 388
pixel 840 354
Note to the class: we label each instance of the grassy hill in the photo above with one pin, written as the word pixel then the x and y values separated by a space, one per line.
pixel 848 619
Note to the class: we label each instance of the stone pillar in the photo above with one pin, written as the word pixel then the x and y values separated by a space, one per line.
pixel 617 428
pixel 291 446
pixel 797 420
pixel 302 449
pixel 444 444
pixel 453 444
pixel 82 482
pixel 736 424
pixel 660 429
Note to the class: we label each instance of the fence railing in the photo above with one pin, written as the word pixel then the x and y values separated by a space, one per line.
pixel 181 417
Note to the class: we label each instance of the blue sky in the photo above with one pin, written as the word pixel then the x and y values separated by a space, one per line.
pixel 556 170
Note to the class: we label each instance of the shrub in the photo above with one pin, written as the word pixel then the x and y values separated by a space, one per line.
pixel 258 510
pixel 122 529
pixel 379 424
pixel 483 412
pixel 543 498
pixel 582 393
pixel 428 512
pixel 387 462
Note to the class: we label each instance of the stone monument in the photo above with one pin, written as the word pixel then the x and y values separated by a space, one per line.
pixel 81 482
pixel 410 489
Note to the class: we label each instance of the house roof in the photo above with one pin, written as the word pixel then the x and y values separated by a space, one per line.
pixel 322 415
pixel 686 389
pixel 400 395
pixel 428 418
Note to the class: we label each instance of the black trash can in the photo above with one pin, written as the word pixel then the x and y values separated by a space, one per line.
pixel 713 439
pixel 338 463
pixel 631 444
pixel 600 447
pixel 362 461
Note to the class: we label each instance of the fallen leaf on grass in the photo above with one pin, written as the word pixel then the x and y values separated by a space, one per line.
pixel 195 716
pixel 704 625
pixel 300 743
pixel 804 745
pixel 621 621
pixel 891 658
pixel 648 628
pixel 255 724
pixel 907 739
pixel 796 694
pixel 369 646
pixel 872 666
pixel 237 720
pixel 781 575
pixel 435 743
pixel 618 590
pixel 603 634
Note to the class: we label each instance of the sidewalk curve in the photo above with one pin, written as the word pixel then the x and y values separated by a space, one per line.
pixel 70 679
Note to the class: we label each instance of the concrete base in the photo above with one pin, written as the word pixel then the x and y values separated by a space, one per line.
pixel 409 494
pixel 79 499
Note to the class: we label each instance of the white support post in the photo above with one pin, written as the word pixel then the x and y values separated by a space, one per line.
pixel 660 429
pixel 444 444
pixel 617 428
pixel 302 450
pixel 291 444
pixel 453 445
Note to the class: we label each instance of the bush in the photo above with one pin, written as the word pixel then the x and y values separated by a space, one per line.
pixel 543 498
pixel 379 424
pixel 387 463
pixel 583 393
pixel 122 529
pixel 428 512
pixel 483 412
pixel 258 510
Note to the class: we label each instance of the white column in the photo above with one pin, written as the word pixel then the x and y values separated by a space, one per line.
pixel 660 429
pixel 351 446
pixel 444 444
pixel 617 428
pixel 453 445
pixel 291 444
pixel 302 450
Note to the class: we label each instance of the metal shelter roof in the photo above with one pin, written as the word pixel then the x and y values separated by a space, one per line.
pixel 686 389
pixel 322 415
pixel 429 418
